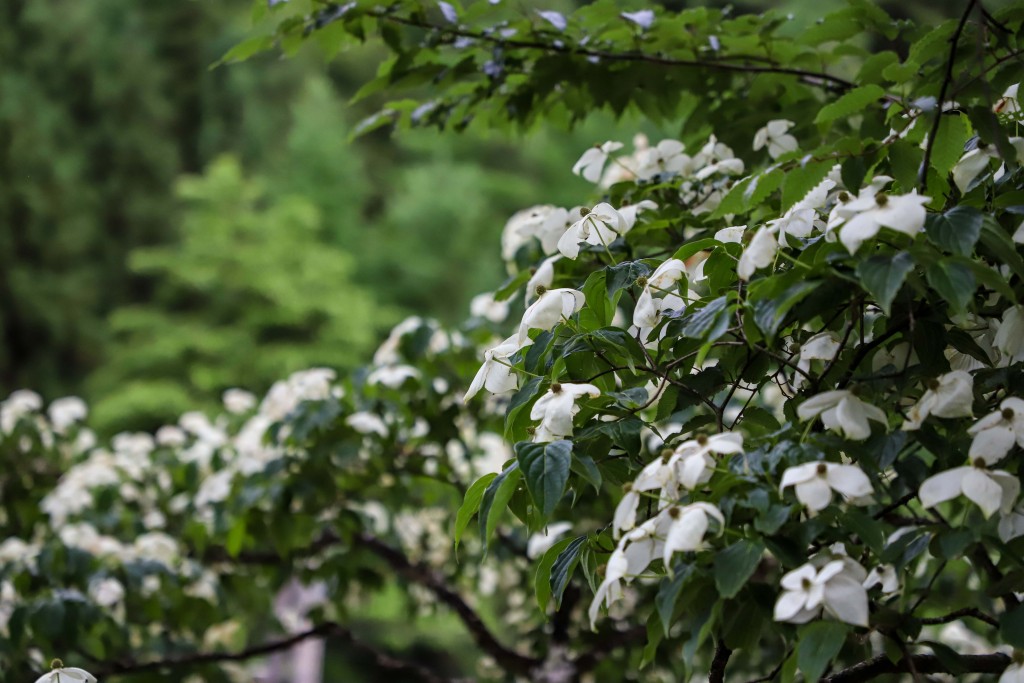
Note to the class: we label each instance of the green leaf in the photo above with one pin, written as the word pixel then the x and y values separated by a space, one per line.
pixel 850 103
pixel 996 239
pixel 236 537
pixel 245 49
pixel 882 276
pixel 563 568
pixel 1011 627
pixel 867 528
pixel 470 505
pixel 991 131
pixel 668 593
pixel 953 281
pixel 542 579
pixel 600 308
pixel 802 180
pixel 819 642
pixel 511 285
pixel 735 565
pixel 771 305
pixel 954 131
pixel 623 275
pixel 519 401
pixel 587 469
pixel 495 499
pixel 545 467
pixel 956 230
pixel 709 322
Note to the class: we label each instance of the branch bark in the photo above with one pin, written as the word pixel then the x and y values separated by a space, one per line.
pixel 924 664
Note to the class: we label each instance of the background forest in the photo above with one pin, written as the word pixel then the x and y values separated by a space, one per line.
pixel 168 228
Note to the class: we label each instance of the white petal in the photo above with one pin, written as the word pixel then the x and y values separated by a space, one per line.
pixel 819 403
pixel 685 534
pixel 815 494
pixel 981 489
pixel 760 253
pixel 853 419
pixel 942 487
pixel 789 604
pixel 793 581
pixel 855 231
pixel 1010 488
pixel 625 512
pixel 849 480
pixel 798 474
pixel 992 445
pixel 847 600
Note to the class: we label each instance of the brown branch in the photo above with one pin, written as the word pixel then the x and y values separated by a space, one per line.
pixel 960 613
pixel 922 173
pixel 508 659
pixel 325 630
pixel 817 78
pixel 925 664
pixel 716 674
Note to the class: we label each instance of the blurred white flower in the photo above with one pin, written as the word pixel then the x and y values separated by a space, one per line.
pixel 950 395
pixel 835 587
pixel 591 164
pixel 842 412
pixel 815 481
pixel 991 490
pixel 106 592
pixel 485 306
pixel 556 408
pixel 551 308
pixel 776 138
pixel 760 253
pixel 66 411
pixel 62 674
pixel 238 401
pixel 883 575
pixel 995 434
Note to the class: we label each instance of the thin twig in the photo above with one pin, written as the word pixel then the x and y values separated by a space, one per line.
pixel 872 668
pixel 959 614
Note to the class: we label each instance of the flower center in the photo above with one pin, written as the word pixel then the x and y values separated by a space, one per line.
pixel 822 469
pixel 844 196
pixel 702 439
pixel 881 199
pixel 933 384
pixel 806 584
pixel 56 664
pixel 556 388
pixel 627 487
pixel 673 512
pixel 1007 414
pixel 584 211
pixel 979 463
pixel 641 281
pixel 540 290
pixel 666 454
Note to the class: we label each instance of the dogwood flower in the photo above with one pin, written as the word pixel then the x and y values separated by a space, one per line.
pixel 486 306
pixel 842 412
pixel 557 407
pixel 600 225
pixel 665 157
pixel 542 278
pixel 1009 339
pixel 760 253
pixel 550 308
pixel 692 459
pixel 883 575
pixel 903 213
pixel 775 137
pixel 659 284
pixel 801 218
pixel 836 587
pixel 495 375
pixel 995 434
pixel 591 164
pixel 815 481
pixel 630 212
pixel 991 490
pixel 1014 673
pixel 976 161
pixel 65 674
pixel 951 395
pixel 822 346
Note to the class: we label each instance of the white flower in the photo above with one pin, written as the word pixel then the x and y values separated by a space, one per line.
pixel 630 212
pixel 171 436
pixel 774 135
pixel 842 412
pixel 835 587
pixel 593 160
pixel 1011 524
pixel 597 226
pixel 991 490
pixel 661 283
pixel 1009 339
pixel 951 395
pixel 238 401
pixel 544 277
pixel 367 423
pixel 884 575
pixel 976 161
pixel 106 592
pixel 392 376
pixel 66 411
pixel 822 346
pixel 19 404
pixel 995 434
pixel 551 308
pixel 871 212
pixel 692 459
pixel 485 306
pixel 66 675
pixel 687 527
pixel 760 253
pixel 815 481
pixel 1008 103
pixel 537 221
pixel 495 375
pixel 1013 673
pixel 556 408
pixel 665 157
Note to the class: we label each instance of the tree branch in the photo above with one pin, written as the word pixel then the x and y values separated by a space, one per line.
pixel 922 173
pixel 965 612
pixel 716 673
pixel 325 630
pixel 925 664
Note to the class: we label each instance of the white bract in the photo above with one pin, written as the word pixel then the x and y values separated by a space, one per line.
pixel 950 395
pixel 775 136
pixel 873 211
pixel 842 412
pixel 885 576
pixel 550 308
pixel 495 374
pixel 760 253
pixel 658 290
pixel 597 226
pixel 66 674
pixel 814 483
pixel 665 157
pixel 823 346
pixel 836 587
pixel 591 164
pixel 991 490
pixel 995 434
pixel 1009 338
pixel 557 407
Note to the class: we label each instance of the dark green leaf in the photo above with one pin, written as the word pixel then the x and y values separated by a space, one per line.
pixel 853 101
pixel 709 322
pixel 819 642
pixel 953 281
pixel 545 468
pixel 882 276
pixel 542 579
pixel 564 567
pixel 956 230
pixel 735 565
pixel 623 275
pixel 495 499
pixel 470 505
